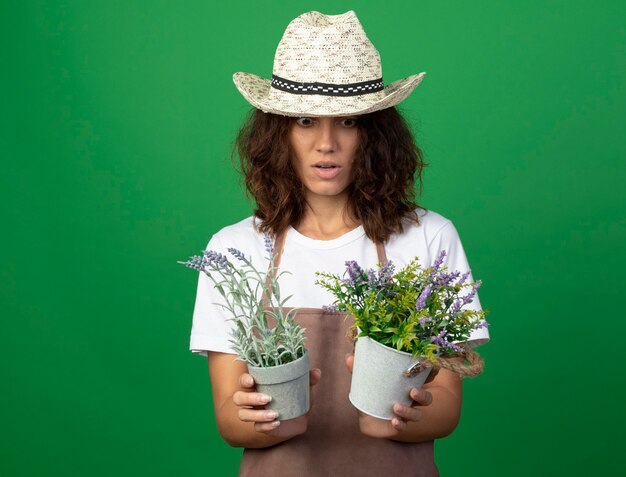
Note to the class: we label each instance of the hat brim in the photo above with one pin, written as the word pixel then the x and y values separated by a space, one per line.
pixel 256 91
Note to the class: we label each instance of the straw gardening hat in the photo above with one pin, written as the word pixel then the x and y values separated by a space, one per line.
pixel 324 66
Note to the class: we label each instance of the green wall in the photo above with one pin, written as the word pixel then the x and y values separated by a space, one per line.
pixel 116 126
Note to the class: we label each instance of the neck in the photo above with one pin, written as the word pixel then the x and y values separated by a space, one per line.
pixel 326 218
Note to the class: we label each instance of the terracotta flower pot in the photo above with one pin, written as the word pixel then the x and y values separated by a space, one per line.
pixel 287 384
pixel 378 380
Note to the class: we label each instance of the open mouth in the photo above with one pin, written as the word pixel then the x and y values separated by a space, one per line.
pixel 327 170
pixel 325 165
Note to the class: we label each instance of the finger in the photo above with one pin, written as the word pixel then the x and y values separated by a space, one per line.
pixel 286 429
pixel 266 426
pixel 241 398
pixel 407 413
pixel 421 396
pixel 246 381
pixel 256 415
pixel 398 424
pixel 315 376
pixel 349 361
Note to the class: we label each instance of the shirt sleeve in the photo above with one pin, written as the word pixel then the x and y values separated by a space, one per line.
pixel 447 238
pixel 211 328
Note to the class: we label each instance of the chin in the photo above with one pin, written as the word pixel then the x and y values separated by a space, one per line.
pixel 329 192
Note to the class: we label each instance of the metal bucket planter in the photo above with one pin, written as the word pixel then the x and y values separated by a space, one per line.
pixel 287 384
pixel 378 380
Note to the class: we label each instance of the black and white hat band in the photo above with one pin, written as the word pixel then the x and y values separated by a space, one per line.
pixel 327 89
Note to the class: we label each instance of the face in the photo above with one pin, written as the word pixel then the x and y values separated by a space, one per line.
pixel 323 153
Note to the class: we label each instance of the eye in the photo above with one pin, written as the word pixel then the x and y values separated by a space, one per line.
pixel 349 122
pixel 304 122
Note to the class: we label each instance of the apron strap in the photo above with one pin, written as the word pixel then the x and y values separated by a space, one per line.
pixel 380 251
pixel 279 243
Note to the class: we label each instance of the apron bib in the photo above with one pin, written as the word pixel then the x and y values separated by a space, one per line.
pixel 333 445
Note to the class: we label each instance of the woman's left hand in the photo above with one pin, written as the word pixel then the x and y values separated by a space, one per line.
pixel 374 427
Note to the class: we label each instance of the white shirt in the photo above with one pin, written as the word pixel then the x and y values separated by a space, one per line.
pixel 303 256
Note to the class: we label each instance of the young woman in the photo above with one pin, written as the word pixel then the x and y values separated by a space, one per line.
pixel 332 167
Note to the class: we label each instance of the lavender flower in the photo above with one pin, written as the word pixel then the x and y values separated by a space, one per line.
pixel 238 255
pixel 372 280
pixel 448 278
pixel 269 245
pixel 463 278
pixel 424 320
pixel 196 262
pixel 455 347
pixel 386 273
pixel 439 339
pixel 439 260
pixel 455 307
pixel 421 301
pixel 215 260
pixel 470 296
pixel 330 308
pixel 444 343
pixel 439 279
pixel 354 272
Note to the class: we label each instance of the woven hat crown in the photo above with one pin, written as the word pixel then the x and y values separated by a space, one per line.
pixel 324 66
pixel 327 49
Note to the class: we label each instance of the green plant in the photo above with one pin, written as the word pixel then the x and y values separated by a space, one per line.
pixel 416 310
pixel 263 335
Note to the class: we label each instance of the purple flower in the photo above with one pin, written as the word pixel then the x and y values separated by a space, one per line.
pixel 455 347
pixel 196 262
pixel 455 307
pixel 238 255
pixel 269 245
pixel 439 260
pixel 354 272
pixel 463 278
pixel 421 301
pixel 330 308
pixel 215 260
pixel 439 340
pixel 209 259
pixel 448 278
pixel 424 320
pixel 470 296
pixel 467 299
pixel 386 272
pixel 482 324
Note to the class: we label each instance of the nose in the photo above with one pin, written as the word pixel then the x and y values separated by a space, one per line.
pixel 326 141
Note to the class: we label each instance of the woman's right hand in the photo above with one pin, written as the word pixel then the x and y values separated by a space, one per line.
pixel 240 416
pixel 251 409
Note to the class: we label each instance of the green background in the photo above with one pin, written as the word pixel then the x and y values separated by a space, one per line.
pixel 117 120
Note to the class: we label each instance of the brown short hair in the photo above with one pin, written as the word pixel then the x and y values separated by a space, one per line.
pixel 386 168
